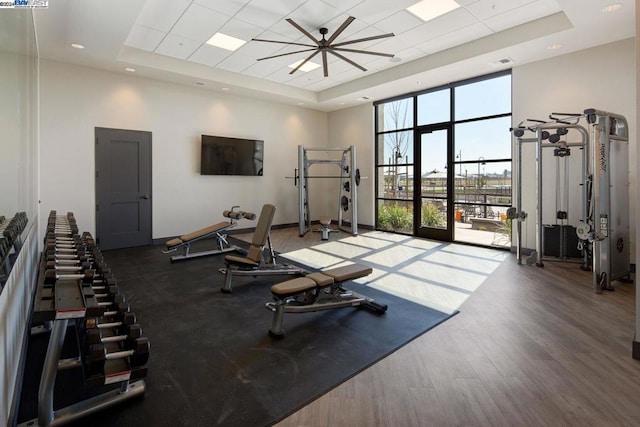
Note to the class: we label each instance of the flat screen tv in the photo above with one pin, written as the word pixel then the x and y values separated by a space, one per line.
pixel 231 156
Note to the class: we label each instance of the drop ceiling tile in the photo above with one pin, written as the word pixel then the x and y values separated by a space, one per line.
pixel 236 62
pixel 466 2
pixel 485 9
pixel 312 15
pixel 240 29
pixel 343 5
pixel 399 22
pixel 265 13
pixel 263 69
pixel 199 23
pixel 227 7
pixel 444 24
pixel 144 38
pixel 372 11
pixel 177 47
pixel 521 15
pixel 161 15
pixel 209 55
pixel 454 38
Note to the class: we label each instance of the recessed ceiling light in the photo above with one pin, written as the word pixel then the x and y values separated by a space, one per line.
pixel 300 103
pixel 395 59
pixel 225 88
pixel 611 8
pixel 429 9
pixel 131 70
pixel 225 42
pixel 77 46
pixel 198 83
pixel 554 46
pixel 418 82
pixel 363 98
pixel 308 66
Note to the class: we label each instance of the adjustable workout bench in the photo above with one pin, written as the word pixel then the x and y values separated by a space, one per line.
pixel 215 230
pixel 318 291
pixel 254 263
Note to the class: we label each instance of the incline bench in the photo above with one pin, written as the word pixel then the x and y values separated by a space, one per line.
pixel 215 230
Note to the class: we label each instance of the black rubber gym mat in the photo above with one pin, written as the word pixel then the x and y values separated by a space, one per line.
pixel 212 360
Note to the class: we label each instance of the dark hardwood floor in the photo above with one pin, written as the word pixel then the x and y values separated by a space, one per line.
pixel 532 346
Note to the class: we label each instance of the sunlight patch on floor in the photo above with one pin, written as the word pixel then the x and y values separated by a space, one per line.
pixel 435 274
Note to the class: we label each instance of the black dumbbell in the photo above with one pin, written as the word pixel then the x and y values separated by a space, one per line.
pixel 98 336
pixel 135 350
pixel 118 320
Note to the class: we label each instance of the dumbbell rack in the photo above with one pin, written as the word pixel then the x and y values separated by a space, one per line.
pixel 10 241
pixel 61 299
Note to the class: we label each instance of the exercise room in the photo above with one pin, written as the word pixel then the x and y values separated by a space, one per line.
pixel 319 213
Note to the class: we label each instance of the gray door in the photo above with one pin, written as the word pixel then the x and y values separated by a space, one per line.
pixel 123 188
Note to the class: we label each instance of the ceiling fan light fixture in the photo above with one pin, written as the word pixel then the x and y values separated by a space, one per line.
pixel 429 9
pixel 224 41
pixel 308 66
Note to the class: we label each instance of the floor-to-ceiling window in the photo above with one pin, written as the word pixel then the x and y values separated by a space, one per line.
pixel 443 160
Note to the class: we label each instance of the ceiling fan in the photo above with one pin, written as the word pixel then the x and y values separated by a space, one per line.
pixel 325 46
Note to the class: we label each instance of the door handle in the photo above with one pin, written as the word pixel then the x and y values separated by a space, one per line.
pixel 146 196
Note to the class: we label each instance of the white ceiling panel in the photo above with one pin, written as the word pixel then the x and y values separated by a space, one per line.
pixel 177 47
pixel 162 15
pixel 209 55
pixel 265 13
pixel 179 28
pixel 199 23
pixel 144 38
pixel 454 38
pixel 399 22
pixel 372 11
pixel 526 13
pixel 236 63
pixel 485 9
pixel 445 24
pixel 228 7
pixel 313 15
pixel 343 5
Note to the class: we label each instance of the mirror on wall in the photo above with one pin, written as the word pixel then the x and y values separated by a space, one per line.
pixel 18 132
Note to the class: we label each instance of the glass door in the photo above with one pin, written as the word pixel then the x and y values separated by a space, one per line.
pixel 433 204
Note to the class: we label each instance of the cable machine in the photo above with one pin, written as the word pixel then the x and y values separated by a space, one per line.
pixel 349 179
pixel 603 197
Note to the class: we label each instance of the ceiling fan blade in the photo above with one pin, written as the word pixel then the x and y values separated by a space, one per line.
pixel 305 61
pixel 303 31
pixel 342 27
pixel 367 52
pixel 344 58
pixel 278 41
pixel 285 54
pixel 366 39
pixel 325 66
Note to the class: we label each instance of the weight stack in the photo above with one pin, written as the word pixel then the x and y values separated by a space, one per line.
pixel 560 241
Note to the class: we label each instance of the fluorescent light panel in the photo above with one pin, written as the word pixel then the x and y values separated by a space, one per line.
pixel 225 42
pixel 430 9
pixel 309 66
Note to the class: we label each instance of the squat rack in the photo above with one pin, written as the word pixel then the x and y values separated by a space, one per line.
pixel 349 179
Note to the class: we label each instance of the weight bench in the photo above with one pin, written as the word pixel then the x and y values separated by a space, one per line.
pixel 318 291
pixel 215 230
pixel 254 263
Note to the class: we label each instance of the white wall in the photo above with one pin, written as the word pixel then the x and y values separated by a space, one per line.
pixel 602 77
pixel 75 100
pixel 354 126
